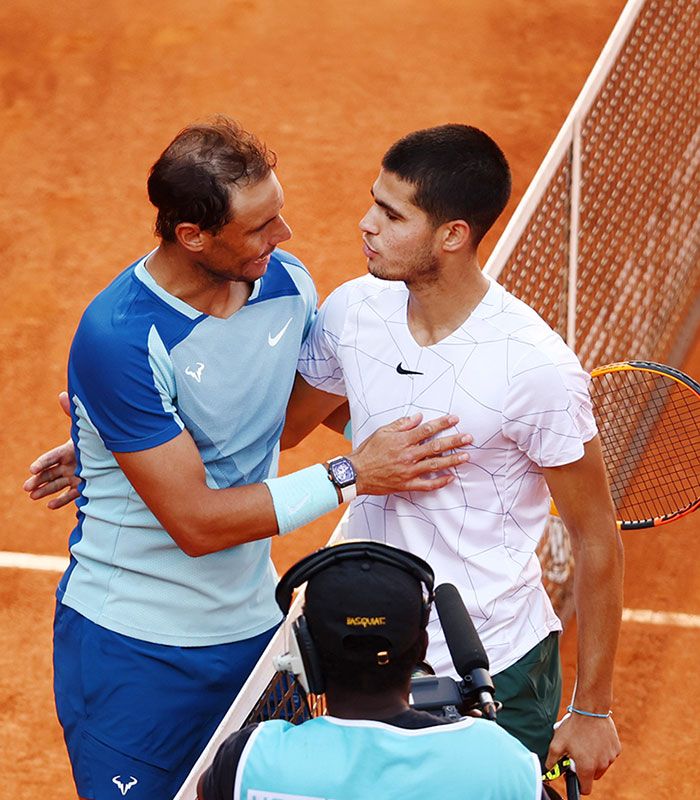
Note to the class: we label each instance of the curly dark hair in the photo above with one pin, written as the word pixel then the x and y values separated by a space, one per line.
pixel 192 179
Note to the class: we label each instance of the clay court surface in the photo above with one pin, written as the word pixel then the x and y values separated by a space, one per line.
pixel 91 93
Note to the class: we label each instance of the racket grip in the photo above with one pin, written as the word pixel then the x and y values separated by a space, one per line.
pixel 573 790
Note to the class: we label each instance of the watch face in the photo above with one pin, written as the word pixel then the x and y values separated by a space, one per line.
pixel 343 473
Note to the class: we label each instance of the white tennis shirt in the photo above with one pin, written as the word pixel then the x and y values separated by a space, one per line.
pixel 521 393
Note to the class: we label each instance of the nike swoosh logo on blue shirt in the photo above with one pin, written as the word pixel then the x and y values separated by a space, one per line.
pixel 273 340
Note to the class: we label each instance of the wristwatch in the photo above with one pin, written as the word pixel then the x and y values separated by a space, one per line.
pixel 341 474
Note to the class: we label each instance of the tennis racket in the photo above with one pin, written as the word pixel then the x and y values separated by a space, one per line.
pixel 566 768
pixel 648 418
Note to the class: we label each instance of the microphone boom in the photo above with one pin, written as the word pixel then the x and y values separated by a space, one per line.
pixel 466 649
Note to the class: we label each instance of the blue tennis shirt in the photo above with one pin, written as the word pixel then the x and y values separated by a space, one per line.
pixel 341 759
pixel 144 366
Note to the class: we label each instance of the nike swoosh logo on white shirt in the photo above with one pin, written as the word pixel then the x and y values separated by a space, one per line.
pixel 273 340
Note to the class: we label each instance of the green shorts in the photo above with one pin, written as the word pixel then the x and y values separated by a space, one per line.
pixel 530 691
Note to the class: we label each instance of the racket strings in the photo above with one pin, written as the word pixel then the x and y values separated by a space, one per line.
pixel 650 432
pixel 653 480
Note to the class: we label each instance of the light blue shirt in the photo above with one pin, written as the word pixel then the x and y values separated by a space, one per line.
pixel 143 366
pixel 340 759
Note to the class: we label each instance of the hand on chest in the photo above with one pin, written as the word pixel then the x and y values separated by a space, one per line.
pixel 387 378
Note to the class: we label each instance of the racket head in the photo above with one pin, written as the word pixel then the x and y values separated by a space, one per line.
pixel 648 418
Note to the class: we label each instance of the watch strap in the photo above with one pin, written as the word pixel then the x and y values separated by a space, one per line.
pixel 347 491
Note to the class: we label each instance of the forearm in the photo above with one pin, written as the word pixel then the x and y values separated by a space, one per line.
pixel 216 519
pixel 598 580
pixel 202 520
pixel 581 494
pixel 171 481
pixel 580 491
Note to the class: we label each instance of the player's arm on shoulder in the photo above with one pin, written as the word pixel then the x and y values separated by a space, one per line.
pixel 171 480
pixel 582 496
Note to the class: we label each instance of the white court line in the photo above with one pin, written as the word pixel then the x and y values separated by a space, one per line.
pixel 648 617
pixel 32 561
pixel 644 616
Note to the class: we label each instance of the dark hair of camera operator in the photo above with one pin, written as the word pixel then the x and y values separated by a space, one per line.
pixel 364 623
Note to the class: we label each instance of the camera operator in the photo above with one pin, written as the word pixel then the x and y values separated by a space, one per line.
pixel 362 631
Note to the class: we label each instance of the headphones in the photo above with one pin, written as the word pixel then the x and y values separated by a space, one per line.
pixel 303 659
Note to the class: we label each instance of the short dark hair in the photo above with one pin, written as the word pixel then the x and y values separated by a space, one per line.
pixel 458 172
pixel 192 179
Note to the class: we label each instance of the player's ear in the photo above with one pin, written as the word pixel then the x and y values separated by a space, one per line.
pixel 190 236
pixel 455 235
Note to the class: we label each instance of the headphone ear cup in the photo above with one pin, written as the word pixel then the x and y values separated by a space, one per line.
pixel 309 655
pixel 427 607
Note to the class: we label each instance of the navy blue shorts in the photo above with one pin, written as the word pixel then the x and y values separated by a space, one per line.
pixel 136 715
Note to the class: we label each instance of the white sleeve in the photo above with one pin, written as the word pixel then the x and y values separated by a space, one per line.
pixel 547 410
pixel 319 363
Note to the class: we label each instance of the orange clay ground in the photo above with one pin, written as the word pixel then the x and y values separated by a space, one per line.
pixel 92 91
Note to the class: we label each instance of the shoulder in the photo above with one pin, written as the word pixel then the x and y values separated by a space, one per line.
pixel 289 260
pixel 109 319
pixel 369 287
pixel 366 290
pixel 286 279
pixel 123 321
pixel 546 363
pixel 530 343
pixel 495 743
pixel 283 262
pixel 120 291
pixel 514 319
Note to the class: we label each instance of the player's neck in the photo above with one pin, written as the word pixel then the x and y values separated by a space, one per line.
pixel 182 278
pixel 439 306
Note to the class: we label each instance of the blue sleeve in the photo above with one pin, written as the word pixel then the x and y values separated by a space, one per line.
pixel 120 375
